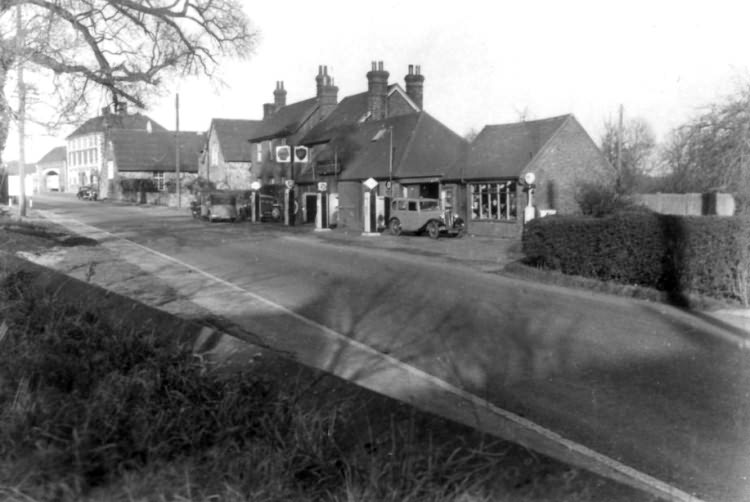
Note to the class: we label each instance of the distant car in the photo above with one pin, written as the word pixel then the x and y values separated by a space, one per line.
pixel 88 192
pixel 423 215
pixel 219 206
pixel 270 208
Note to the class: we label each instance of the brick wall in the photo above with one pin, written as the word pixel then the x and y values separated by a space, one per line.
pixel 571 158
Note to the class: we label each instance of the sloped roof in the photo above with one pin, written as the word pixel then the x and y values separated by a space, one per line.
pixel 155 151
pixel 233 136
pixel 350 110
pixel 504 150
pixel 422 147
pixel 286 120
pixel 57 154
pixel 115 121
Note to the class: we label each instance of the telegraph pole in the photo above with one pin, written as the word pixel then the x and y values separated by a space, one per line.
pixel 21 115
pixel 177 147
pixel 619 143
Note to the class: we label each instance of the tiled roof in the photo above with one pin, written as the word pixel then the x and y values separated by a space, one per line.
pixel 286 120
pixel 423 147
pixel 143 151
pixel 350 110
pixel 233 136
pixel 503 151
pixel 57 154
pixel 115 121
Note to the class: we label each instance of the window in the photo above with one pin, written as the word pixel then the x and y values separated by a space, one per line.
pixel 493 201
pixel 258 152
pixel 428 205
pixel 412 205
pixel 159 180
pixel 214 157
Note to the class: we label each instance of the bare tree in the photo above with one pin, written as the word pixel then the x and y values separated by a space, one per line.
pixel 712 150
pixel 636 148
pixel 124 47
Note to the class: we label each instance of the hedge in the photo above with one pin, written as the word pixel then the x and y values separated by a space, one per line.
pixel 706 255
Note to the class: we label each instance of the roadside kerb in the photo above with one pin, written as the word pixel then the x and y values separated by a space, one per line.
pixel 325 349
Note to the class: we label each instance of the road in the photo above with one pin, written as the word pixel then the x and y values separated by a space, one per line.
pixel 642 383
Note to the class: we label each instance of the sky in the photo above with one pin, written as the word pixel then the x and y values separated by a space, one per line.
pixel 483 62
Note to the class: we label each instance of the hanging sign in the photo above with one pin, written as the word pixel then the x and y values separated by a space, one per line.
pixel 370 183
pixel 283 153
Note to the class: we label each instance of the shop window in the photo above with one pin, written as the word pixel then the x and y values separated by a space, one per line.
pixel 493 201
pixel 159 180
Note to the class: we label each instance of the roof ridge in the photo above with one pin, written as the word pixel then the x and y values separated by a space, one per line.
pixel 535 121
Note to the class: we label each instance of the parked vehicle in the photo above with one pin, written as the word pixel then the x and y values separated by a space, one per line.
pixel 88 192
pixel 270 208
pixel 423 215
pixel 195 208
pixel 218 206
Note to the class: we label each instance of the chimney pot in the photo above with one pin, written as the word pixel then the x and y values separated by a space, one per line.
pixel 279 95
pixel 415 85
pixel 374 66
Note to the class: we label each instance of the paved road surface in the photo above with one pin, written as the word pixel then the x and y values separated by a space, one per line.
pixel 642 383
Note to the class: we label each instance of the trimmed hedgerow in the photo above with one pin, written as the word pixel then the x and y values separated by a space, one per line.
pixel 703 255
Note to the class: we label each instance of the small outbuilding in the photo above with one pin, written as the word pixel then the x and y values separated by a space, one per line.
pixel 557 150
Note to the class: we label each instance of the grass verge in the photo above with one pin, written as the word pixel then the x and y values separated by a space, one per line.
pixel 92 409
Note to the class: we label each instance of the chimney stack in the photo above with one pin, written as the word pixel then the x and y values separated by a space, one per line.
pixel 279 95
pixel 327 92
pixel 377 91
pixel 268 109
pixel 415 85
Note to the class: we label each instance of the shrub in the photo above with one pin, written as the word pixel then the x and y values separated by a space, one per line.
pixel 704 255
pixel 200 184
pixel 600 200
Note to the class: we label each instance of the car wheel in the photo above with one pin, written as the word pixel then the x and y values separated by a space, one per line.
pixel 395 226
pixel 460 228
pixel 433 230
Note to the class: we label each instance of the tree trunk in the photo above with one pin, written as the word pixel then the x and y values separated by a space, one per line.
pixel 4 108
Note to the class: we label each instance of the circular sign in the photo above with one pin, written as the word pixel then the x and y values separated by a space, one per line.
pixel 289 184
pixel 322 186
pixel 255 185
pixel 283 154
pixel 529 178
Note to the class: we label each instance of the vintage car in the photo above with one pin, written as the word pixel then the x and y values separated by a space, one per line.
pixel 270 208
pixel 218 205
pixel 88 192
pixel 423 215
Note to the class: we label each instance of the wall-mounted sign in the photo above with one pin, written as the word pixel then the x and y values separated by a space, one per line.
pixel 322 186
pixel 283 153
pixel 370 183
pixel 301 154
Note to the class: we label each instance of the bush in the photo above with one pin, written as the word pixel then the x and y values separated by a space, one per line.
pixel 600 200
pixel 200 184
pixel 703 255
